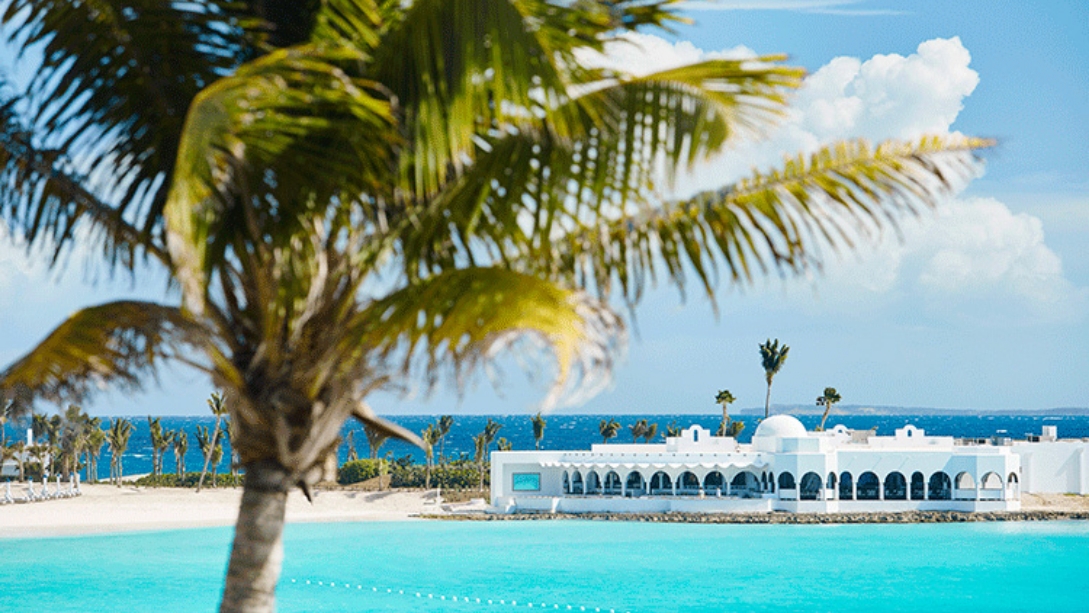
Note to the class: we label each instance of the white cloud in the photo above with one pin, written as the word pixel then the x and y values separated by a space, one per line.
pixel 642 54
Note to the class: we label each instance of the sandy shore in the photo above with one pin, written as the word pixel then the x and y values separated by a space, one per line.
pixel 108 508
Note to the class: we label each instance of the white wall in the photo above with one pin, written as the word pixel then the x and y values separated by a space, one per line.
pixel 1054 467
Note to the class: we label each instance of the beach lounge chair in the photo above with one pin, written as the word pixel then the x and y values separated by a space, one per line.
pixel 7 493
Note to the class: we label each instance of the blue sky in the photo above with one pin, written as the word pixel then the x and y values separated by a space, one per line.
pixel 983 304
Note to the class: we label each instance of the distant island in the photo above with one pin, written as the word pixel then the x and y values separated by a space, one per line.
pixel 890 410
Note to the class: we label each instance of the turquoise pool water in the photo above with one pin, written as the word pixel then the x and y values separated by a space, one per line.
pixel 620 567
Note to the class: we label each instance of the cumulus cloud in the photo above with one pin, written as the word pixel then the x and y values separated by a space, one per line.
pixel 972 249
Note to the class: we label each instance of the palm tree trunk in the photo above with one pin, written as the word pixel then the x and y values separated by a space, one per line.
pixel 767 401
pixel 208 456
pixel 824 417
pixel 258 550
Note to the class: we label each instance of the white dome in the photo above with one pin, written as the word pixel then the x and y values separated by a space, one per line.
pixel 780 426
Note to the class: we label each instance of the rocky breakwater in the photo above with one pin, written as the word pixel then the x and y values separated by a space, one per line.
pixel 909 517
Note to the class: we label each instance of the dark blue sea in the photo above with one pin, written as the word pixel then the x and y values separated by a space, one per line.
pixel 580 431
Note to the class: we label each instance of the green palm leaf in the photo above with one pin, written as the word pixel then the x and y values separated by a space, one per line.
pixel 465 317
pixel 117 343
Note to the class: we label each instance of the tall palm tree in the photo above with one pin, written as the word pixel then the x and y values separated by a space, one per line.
pixel 206 445
pixel 444 424
pixel 219 409
pixel 158 444
pixel 538 429
pixel 275 156
pixel 827 400
pixel 181 446
pixel 724 398
pixel 638 429
pixel 608 428
pixel 429 436
pixel 772 357
pixel 117 438
pixel 649 432
pixel 349 442
pixel 480 447
pixel 96 438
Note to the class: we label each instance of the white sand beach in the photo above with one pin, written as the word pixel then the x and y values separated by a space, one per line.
pixel 108 508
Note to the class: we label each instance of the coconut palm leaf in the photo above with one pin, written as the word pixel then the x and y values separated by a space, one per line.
pixel 464 317
pixel 118 343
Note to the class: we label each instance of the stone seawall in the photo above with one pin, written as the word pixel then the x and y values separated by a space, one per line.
pixel 909 517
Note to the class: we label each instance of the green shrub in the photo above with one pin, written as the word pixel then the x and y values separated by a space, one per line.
pixel 358 470
pixel 186 480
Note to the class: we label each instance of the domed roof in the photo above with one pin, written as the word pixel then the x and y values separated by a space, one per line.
pixel 780 426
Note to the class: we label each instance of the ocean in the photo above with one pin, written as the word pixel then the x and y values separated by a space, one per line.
pixel 601 567
pixel 580 431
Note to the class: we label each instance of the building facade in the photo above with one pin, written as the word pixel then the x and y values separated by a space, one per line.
pixel 785 468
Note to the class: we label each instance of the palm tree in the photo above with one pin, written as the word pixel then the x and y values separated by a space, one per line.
pixel 276 156
pixel 724 397
pixel 96 438
pixel 609 428
pixel 429 436
pixel 18 448
pixel 491 429
pixel 638 429
pixel 829 398
pixel 205 445
pixel 349 442
pixel 771 358
pixel 181 446
pixel 219 409
pixel 503 444
pixel 649 432
pixel 538 429
pixel 444 424
pixel 117 438
pixel 480 447
pixel 158 444
pixel 375 439
pixel 672 429
pixel 734 429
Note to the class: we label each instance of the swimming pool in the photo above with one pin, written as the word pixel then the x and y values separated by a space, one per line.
pixel 585 565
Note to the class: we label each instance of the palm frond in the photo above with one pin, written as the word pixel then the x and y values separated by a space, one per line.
pixel 117 343
pixel 466 317
pixel 115 82
pixel 245 166
pixel 778 220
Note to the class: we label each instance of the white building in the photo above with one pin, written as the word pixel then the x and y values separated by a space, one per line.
pixel 786 468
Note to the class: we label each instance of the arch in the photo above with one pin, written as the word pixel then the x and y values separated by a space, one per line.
pixel 745 484
pixel 635 484
pixel 918 486
pixel 1013 487
pixel 831 483
pixel 869 487
pixel 577 486
pixel 846 486
pixel 895 486
pixel 940 486
pixel 810 487
pixel 990 481
pixel 688 482
pixel 771 482
pixel 714 481
pixel 964 481
pixel 593 482
pixel 566 483
pixel 660 483
pixel 786 481
pixel 612 484
pixel 1013 478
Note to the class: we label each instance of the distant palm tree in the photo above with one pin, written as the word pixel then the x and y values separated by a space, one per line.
pixel 638 429
pixel 349 444
pixel 725 398
pixel 375 439
pixel 158 444
pixel 771 358
pixel 430 436
pixel 444 424
pixel 609 428
pixel 734 429
pixel 672 429
pixel 480 446
pixel 96 438
pixel 219 409
pixel 503 444
pixel 538 429
pixel 204 443
pixel 827 400
pixel 118 440
pixel 181 446
pixel 649 432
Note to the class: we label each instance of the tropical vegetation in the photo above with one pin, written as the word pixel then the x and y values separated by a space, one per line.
pixel 349 193
pixel 772 358
pixel 827 400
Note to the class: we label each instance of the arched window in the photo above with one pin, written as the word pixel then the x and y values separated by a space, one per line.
pixel 831 481
pixel 895 486
pixel 811 487
pixel 636 484
pixel 576 483
pixel 918 486
pixel 1013 478
pixel 745 484
pixel 612 483
pixel 660 483
pixel 593 483
pixel 714 481
pixel 688 482
pixel 786 481
pixel 991 481
pixel 940 486
pixel 566 483
pixel 964 486
pixel 846 483
pixel 869 487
